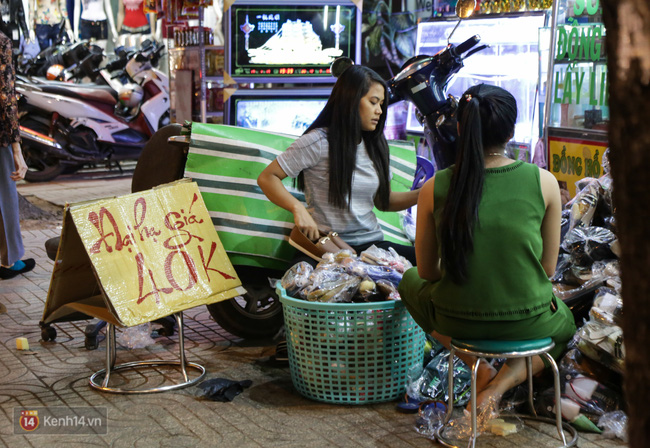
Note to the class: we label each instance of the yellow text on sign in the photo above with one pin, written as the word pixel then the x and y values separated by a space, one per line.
pixel 571 160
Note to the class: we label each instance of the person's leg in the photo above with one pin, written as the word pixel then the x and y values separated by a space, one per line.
pixel 556 323
pixel 11 240
pixel 11 248
pixel 416 297
pixel 485 374
pixel 85 29
pixel 55 30
pixel 511 374
pixel 103 29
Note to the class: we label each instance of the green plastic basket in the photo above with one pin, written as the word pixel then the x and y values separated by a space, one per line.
pixel 350 353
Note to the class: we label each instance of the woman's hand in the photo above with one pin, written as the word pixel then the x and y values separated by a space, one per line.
pixel 19 163
pixel 305 223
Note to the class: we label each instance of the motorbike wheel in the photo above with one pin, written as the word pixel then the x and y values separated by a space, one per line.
pixel 40 167
pixel 255 315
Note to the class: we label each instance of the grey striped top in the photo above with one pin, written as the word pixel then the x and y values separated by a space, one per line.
pixel 310 153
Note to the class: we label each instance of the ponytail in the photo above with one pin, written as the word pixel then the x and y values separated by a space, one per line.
pixel 486 117
pixel 461 208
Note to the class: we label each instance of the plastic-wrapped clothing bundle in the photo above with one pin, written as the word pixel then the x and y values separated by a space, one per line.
pixel 607 307
pixel 343 277
pixel 614 424
pixel 296 278
pixel 603 343
pixel 432 384
pixel 330 286
pixel 589 392
pixel 138 336
pixel 592 204
pixel 589 244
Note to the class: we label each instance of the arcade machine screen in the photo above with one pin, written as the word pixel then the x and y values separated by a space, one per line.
pixel 290 41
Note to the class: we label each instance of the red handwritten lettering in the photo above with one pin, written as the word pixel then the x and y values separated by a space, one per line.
pixel 139 214
pixel 206 265
pixel 193 276
pixel 139 259
pixel 98 222
pixel 176 221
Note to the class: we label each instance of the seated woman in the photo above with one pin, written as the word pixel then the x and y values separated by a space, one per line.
pixel 341 162
pixel 487 240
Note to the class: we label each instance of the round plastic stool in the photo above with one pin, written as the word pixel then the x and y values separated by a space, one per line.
pixel 505 349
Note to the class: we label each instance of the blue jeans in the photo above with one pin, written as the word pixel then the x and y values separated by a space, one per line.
pixel 48 35
pixel 11 240
pixel 93 29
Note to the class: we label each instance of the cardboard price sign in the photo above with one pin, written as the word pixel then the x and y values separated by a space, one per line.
pixel 139 257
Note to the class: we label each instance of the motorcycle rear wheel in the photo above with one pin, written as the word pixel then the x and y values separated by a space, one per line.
pixel 256 314
pixel 40 167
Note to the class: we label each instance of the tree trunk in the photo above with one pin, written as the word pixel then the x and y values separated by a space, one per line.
pixel 628 48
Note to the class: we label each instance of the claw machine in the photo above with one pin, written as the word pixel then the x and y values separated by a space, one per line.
pixel 576 108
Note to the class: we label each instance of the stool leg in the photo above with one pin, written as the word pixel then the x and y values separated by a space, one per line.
pixel 558 397
pixel 529 371
pixel 181 344
pixel 114 346
pixel 472 442
pixel 110 353
pixel 450 387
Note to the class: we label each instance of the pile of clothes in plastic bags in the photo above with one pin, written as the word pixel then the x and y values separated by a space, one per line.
pixel 343 277
pixel 587 279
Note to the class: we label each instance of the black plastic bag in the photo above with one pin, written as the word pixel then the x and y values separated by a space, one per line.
pixel 222 389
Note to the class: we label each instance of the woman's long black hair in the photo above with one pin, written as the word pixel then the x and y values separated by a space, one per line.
pixel 341 117
pixel 486 117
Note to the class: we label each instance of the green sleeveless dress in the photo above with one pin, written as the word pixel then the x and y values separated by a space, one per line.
pixel 508 295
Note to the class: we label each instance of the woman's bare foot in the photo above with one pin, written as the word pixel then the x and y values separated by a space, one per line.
pixel 489 397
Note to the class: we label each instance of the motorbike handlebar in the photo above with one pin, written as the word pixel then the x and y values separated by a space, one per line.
pixel 469 43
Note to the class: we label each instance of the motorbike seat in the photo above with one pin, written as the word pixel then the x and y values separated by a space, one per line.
pixel 92 92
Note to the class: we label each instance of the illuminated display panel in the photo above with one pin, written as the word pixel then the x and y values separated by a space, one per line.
pixel 289 111
pixel 290 41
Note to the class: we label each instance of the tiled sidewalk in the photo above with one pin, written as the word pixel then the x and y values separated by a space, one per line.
pixel 268 414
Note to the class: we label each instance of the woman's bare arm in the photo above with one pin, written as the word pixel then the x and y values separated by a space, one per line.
pixel 270 181
pixel 551 225
pixel 426 241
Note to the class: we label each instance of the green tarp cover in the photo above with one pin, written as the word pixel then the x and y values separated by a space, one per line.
pixel 225 162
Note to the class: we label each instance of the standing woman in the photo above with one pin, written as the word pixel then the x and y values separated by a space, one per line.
pixel 12 169
pixel 341 162
pixel 487 240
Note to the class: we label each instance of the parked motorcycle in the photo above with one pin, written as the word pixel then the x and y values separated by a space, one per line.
pixel 65 126
pixel 423 81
